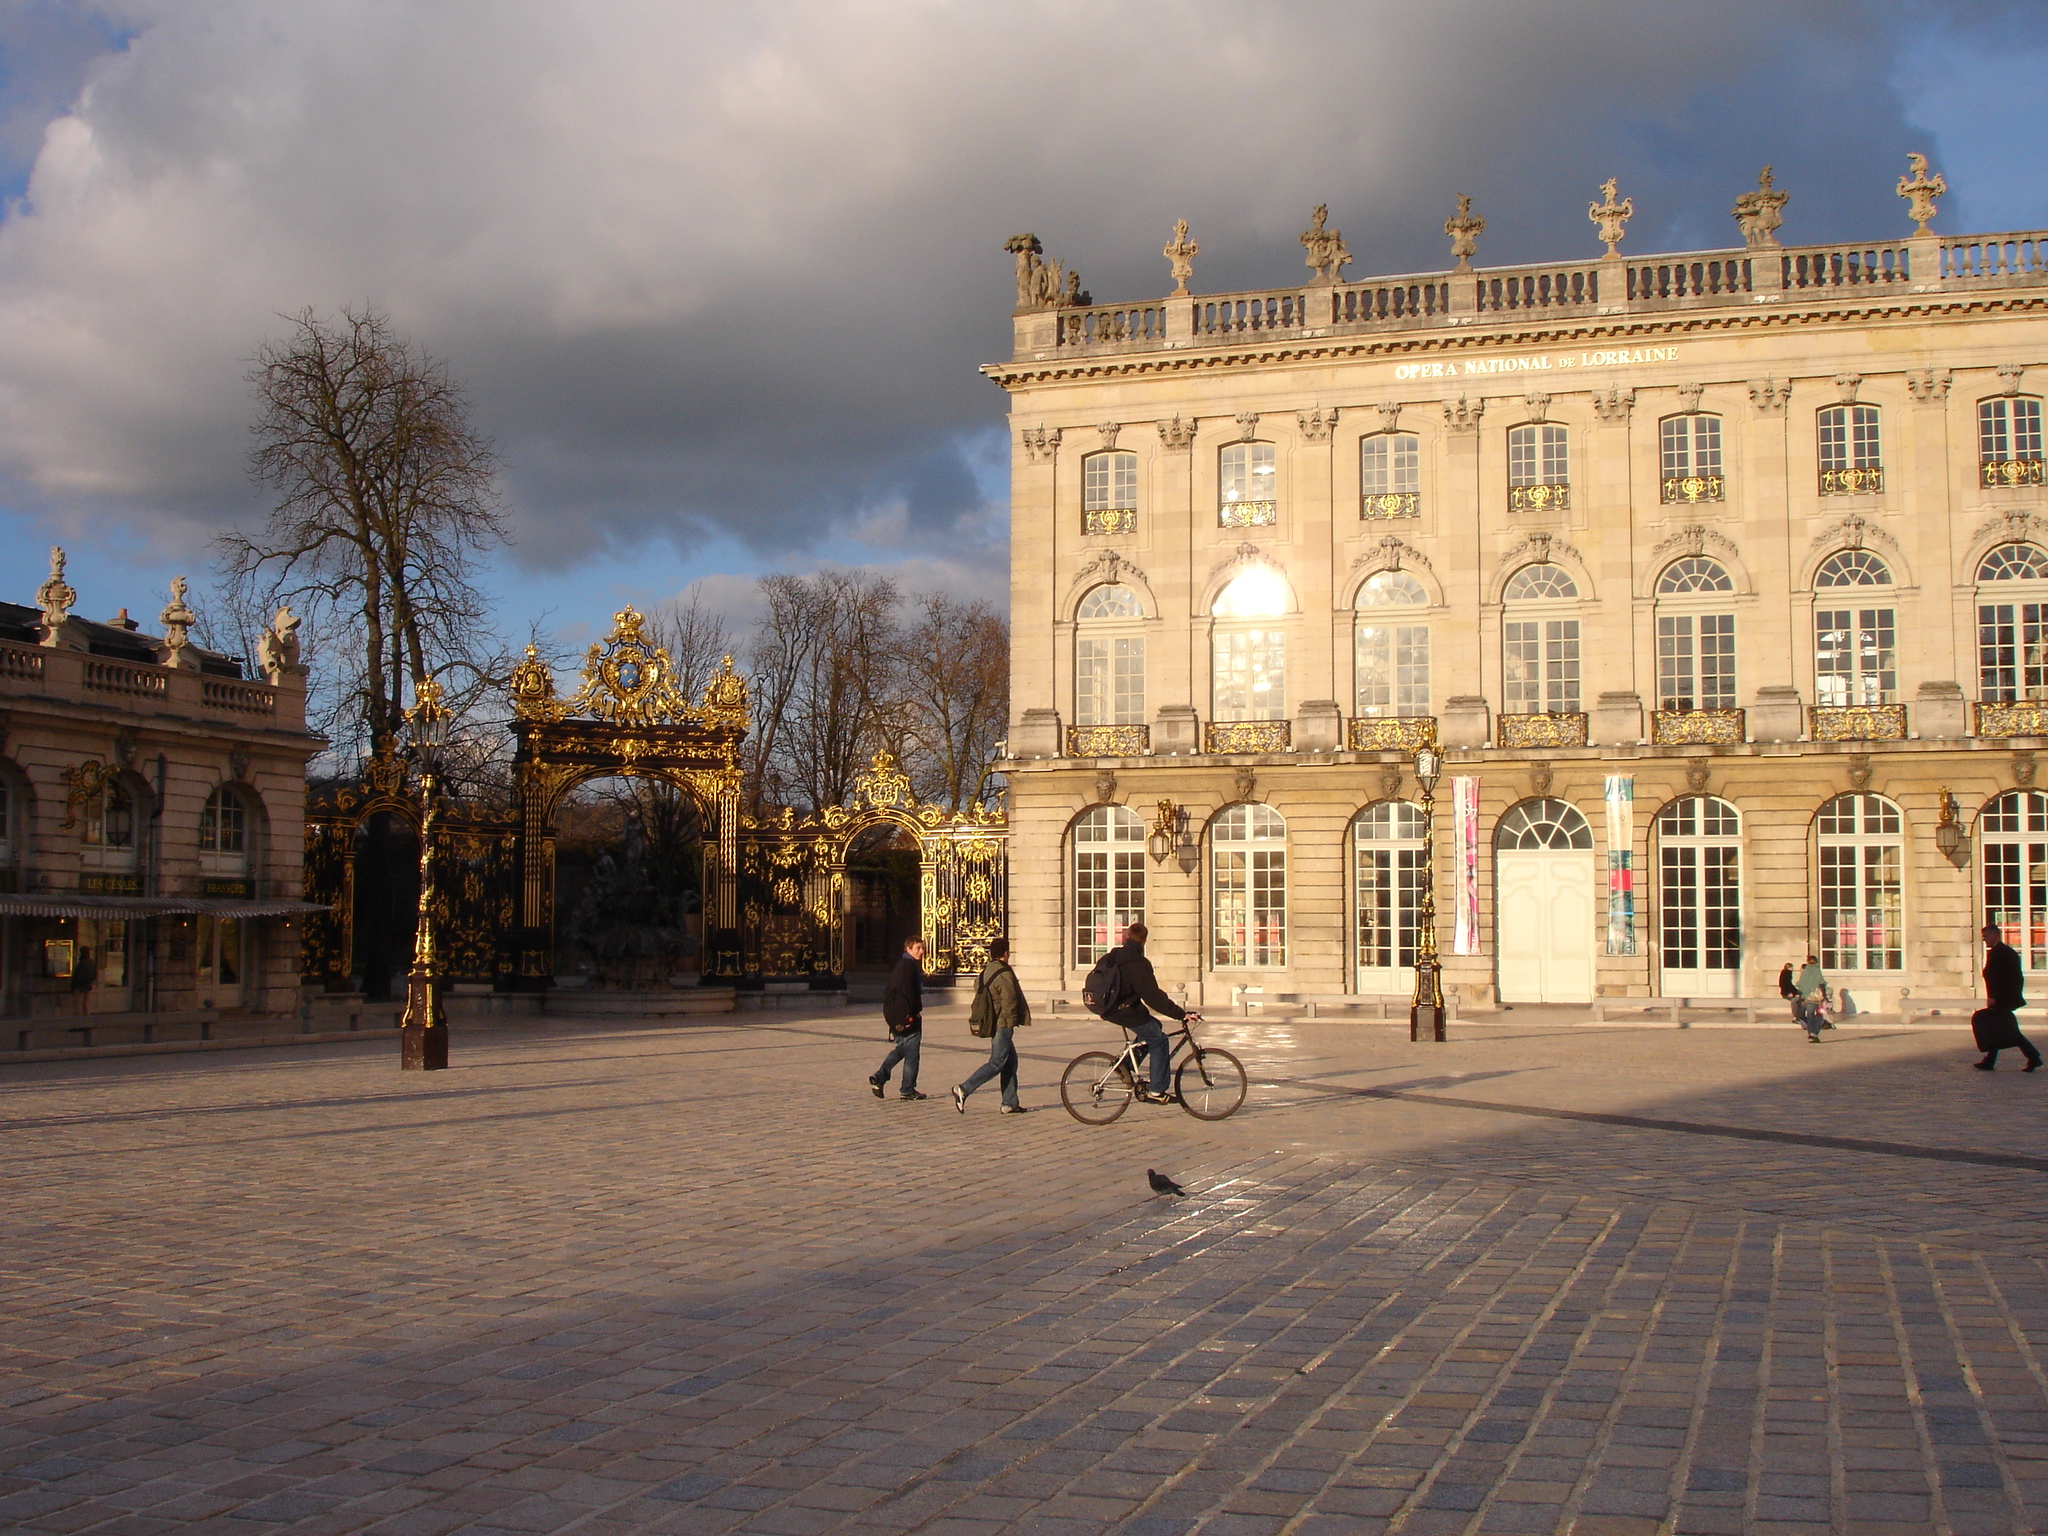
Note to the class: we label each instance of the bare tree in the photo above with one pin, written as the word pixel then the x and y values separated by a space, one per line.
pixel 696 639
pixel 823 665
pixel 953 678
pixel 386 498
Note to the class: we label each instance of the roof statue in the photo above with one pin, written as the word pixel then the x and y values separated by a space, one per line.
pixel 1181 252
pixel 1759 213
pixel 1327 256
pixel 277 648
pixel 1920 193
pixel 1611 216
pixel 1042 284
pixel 56 596
pixel 1464 231
pixel 177 620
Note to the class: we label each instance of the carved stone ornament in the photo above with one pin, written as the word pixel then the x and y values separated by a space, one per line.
pixel 1538 549
pixel 1111 567
pixel 177 617
pixel 1326 253
pixel 1611 216
pixel 1105 786
pixel 1758 214
pixel 1852 532
pixel 56 596
pixel 1180 253
pixel 1929 386
pixel 1539 405
pixel 2023 769
pixel 1317 425
pixel 1391 554
pixel 1244 554
pixel 1769 396
pixel 1246 784
pixel 1693 539
pixel 1390 782
pixel 1462 415
pixel 1846 385
pixel 1042 284
pixel 1921 193
pixel 1540 778
pixel 1248 424
pixel 238 764
pixel 1041 443
pixel 1178 434
pixel 1859 770
pixel 125 744
pixel 1464 230
pixel 1108 431
pixel 1689 397
pixel 1696 775
pixel 1613 403
pixel 1390 415
pixel 277 648
pixel 2011 374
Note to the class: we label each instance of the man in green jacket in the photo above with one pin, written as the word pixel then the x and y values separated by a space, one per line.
pixel 1011 1013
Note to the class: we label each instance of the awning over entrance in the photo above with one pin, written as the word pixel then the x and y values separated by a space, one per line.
pixel 67 904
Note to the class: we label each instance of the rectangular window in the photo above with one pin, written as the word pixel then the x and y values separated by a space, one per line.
pixel 1691 451
pixel 1862 908
pixel 1850 459
pixel 1251 906
pixel 1109 480
pixel 1390 475
pixel 1245 485
pixel 1696 661
pixel 2012 652
pixel 1537 456
pixel 1109 681
pixel 114 956
pixel 2009 441
pixel 1855 656
pixel 1109 895
pixel 1393 669
pixel 1250 674
pixel 1541 665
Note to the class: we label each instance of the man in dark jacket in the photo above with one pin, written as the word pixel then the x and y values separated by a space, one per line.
pixel 903 1009
pixel 1998 1025
pixel 1140 991
pixel 1008 1013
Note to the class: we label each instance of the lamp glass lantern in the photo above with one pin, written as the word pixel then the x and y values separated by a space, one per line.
pixel 429 720
pixel 1429 763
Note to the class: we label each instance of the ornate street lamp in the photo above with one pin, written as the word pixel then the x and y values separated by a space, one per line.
pixel 1171 836
pixel 423 1033
pixel 1426 1011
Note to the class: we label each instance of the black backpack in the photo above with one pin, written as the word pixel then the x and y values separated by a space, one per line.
pixel 1103 992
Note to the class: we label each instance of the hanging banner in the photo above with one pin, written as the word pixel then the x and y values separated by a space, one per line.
pixel 1465 809
pixel 1621 856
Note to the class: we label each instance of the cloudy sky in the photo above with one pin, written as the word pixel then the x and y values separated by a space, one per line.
pixel 718 276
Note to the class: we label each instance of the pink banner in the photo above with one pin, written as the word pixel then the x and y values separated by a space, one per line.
pixel 1465 810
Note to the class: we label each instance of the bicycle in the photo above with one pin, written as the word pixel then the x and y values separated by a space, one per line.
pixel 1208 1082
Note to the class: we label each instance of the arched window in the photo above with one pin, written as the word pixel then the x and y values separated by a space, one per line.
pixel 2012 839
pixel 1388 849
pixel 1248 680
pixel 1699 894
pixel 1862 901
pixel 1392 657
pixel 1534 825
pixel 1109 493
pixel 2012 625
pixel 1851 455
pixel 1695 646
pixel 1855 649
pixel 1248 863
pixel 1539 468
pixel 1109 879
pixel 2009 441
pixel 1390 475
pixel 1109 658
pixel 1245 481
pixel 1539 648
pixel 1691 451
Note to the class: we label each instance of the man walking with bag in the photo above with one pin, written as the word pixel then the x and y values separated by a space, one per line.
pixel 903 1010
pixel 1997 1026
pixel 999 1009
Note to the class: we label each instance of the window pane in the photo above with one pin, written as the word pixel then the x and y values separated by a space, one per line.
pixel 1834 438
pixel 1250 680
pixel 2026 429
pixel 1675 667
pixel 1091 682
pixel 1676 444
pixel 1994 430
pixel 1522 456
pixel 1706 445
pixel 1717 661
pixel 1128 704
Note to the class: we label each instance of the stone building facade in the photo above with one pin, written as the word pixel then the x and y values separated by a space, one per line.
pixel 152 824
pixel 1721 578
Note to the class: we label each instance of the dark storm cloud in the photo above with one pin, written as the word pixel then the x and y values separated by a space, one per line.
pixel 732 268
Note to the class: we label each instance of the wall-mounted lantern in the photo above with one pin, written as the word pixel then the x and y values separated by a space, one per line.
pixel 1949 834
pixel 1170 835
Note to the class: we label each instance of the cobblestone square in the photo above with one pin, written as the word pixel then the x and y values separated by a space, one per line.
pixel 1544 1278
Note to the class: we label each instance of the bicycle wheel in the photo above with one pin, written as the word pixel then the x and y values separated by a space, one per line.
pixel 1210 1083
pixel 1093 1090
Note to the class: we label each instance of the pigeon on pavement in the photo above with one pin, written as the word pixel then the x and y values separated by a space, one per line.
pixel 1161 1184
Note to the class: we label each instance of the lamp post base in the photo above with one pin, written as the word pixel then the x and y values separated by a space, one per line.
pixel 423 1036
pixel 1426 1022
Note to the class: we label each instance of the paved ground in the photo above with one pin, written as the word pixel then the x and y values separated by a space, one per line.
pixel 697 1280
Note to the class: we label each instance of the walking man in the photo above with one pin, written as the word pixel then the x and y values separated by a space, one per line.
pixel 1997 1025
pixel 903 1010
pixel 1139 991
pixel 998 990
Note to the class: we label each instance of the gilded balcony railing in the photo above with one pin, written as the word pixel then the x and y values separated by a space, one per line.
pixel 1539 498
pixel 1108 740
pixel 1867 481
pixel 1110 520
pixel 1384 733
pixel 1248 514
pixel 1552 730
pixel 2004 472
pixel 1696 727
pixel 1689 488
pixel 2027 717
pixel 1389 504
pixel 1247 736
pixel 1857 722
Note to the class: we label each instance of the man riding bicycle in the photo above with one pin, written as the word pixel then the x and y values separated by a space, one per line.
pixel 1138 992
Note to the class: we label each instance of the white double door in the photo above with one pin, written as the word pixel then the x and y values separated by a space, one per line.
pixel 1545 925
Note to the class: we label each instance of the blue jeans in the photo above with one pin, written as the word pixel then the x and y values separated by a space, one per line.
pixel 1153 1038
pixel 905 1050
pixel 1002 1062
